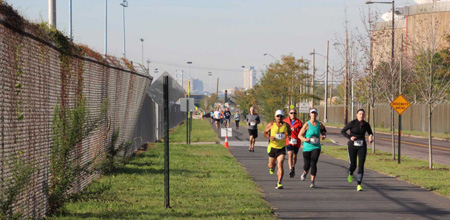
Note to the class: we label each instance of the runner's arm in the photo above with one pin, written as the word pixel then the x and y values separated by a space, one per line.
pixel 323 130
pixel 345 129
pixel 267 129
pixel 288 130
pixel 302 133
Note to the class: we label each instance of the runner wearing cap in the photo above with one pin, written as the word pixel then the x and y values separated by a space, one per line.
pixel 310 135
pixel 292 142
pixel 277 132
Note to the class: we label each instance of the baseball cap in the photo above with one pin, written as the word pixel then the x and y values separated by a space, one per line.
pixel 279 112
pixel 314 110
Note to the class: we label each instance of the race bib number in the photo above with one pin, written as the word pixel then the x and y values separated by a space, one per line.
pixel 358 143
pixel 252 123
pixel 280 136
pixel 293 141
pixel 314 140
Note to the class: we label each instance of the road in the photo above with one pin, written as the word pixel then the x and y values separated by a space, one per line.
pixel 410 146
pixel 383 197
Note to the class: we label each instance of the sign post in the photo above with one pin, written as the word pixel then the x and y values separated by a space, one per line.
pixel 400 104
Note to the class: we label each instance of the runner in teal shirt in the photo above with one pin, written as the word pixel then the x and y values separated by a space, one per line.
pixel 310 136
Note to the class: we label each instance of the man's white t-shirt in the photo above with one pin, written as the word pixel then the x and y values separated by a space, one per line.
pixel 217 115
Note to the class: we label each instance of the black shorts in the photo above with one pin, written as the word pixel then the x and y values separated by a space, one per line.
pixel 253 133
pixel 292 148
pixel 277 152
pixel 217 120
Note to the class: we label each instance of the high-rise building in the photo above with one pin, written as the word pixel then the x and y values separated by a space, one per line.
pixel 249 77
pixel 196 85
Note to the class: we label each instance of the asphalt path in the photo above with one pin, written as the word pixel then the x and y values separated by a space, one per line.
pixel 383 197
pixel 410 146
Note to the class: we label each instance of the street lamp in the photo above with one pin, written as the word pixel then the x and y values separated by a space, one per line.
pixel 124 4
pixel 209 81
pixel 345 77
pixel 142 40
pixel 265 54
pixel 392 69
pixel 189 78
pixel 313 53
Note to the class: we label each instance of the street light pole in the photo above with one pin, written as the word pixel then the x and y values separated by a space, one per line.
pixel 392 71
pixel 312 77
pixel 346 80
pixel 142 40
pixel 325 119
pixel 52 13
pixel 124 4
pixel 209 81
pixel 106 28
pixel 70 20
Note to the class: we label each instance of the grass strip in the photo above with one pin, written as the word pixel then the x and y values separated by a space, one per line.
pixel 404 132
pixel 201 132
pixel 206 181
pixel 411 170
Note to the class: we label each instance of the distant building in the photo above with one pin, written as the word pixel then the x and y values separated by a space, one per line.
pixel 249 77
pixel 196 85
pixel 416 24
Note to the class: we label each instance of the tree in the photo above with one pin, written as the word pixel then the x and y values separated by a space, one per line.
pixel 281 85
pixel 433 83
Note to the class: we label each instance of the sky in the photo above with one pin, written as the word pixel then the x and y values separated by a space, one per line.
pixel 217 36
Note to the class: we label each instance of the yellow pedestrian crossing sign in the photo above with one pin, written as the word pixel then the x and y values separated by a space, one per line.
pixel 400 104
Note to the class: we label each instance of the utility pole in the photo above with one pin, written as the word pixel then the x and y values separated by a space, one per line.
pixel 346 80
pixel 124 4
pixel 352 82
pixel 209 81
pixel 52 13
pixel 326 89
pixel 217 87
pixel 312 78
pixel 106 28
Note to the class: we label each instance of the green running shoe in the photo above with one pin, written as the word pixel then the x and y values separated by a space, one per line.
pixel 350 178
pixel 359 188
pixel 279 186
pixel 271 170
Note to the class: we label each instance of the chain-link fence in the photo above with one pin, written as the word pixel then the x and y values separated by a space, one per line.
pixel 36 75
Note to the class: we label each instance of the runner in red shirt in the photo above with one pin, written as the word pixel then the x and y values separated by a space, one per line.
pixel 294 144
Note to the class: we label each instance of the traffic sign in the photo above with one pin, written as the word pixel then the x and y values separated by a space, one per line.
pixel 184 107
pixel 303 107
pixel 400 104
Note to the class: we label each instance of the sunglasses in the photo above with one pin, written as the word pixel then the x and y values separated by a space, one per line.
pixel 279 116
pixel 293 113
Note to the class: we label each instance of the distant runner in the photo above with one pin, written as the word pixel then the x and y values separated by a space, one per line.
pixel 217 118
pixel 357 146
pixel 277 132
pixel 227 116
pixel 211 115
pixel 252 122
pixel 292 142
pixel 237 118
pixel 310 135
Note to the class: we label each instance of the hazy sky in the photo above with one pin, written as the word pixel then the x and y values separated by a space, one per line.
pixel 218 36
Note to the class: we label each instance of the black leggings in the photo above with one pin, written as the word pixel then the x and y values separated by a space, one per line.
pixel 237 124
pixel 310 159
pixel 353 152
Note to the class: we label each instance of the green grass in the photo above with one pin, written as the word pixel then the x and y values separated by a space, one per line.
pixel 206 182
pixel 404 132
pixel 414 171
pixel 201 132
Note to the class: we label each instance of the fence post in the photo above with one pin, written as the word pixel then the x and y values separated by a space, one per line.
pixel 166 141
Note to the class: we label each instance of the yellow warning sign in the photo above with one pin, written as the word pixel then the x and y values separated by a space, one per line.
pixel 400 104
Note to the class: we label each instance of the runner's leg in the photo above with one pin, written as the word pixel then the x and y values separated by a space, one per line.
pixel 314 158
pixel 362 152
pixel 280 171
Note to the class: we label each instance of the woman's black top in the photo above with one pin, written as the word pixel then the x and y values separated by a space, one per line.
pixel 357 129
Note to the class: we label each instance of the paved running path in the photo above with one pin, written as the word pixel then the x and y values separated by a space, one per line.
pixel 383 197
